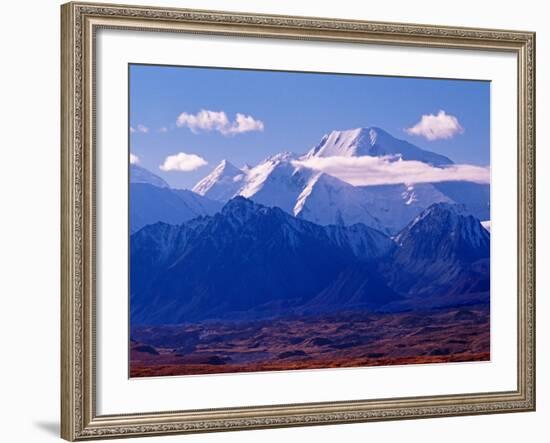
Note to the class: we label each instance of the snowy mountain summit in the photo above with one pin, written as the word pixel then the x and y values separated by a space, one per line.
pixel 142 175
pixel 374 142
pixel 284 181
pixel 280 181
pixel 222 183
pixel 153 200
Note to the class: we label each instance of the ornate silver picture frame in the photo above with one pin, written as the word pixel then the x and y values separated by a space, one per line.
pixel 80 23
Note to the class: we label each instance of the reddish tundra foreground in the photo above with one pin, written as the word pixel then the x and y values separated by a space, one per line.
pixel 348 339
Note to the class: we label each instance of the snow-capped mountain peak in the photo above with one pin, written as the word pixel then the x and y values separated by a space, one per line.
pixel 225 168
pixel 318 197
pixel 139 174
pixel 277 167
pixel 281 157
pixel 372 141
pixel 346 143
pixel 222 183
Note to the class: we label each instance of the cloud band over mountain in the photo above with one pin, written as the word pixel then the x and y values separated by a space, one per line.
pixel 367 170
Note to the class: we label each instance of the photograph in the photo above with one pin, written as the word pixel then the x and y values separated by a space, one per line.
pixel 283 220
pixel 276 217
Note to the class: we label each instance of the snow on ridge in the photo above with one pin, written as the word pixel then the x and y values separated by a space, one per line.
pixel 308 189
pixel 371 141
pixel 338 143
pixel 139 174
pixel 256 177
pixel 373 135
pixel 345 143
pixel 222 183
pixel 282 180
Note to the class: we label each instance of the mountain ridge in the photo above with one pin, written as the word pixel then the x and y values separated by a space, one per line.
pixel 280 181
pixel 249 258
pixel 221 183
pixel 443 250
pixel 375 142
pixel 247 253
pixel 139 174
pixel 324 199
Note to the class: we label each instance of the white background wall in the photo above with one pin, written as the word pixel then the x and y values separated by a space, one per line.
pixel 29 219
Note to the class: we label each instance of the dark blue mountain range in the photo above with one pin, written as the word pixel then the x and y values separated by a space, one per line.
pixel 249 260
pixel 441 258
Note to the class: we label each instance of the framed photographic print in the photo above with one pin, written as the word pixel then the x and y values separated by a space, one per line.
pixel 282 221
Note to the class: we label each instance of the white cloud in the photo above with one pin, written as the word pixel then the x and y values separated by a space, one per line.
pixel 134 159
pixel 203 120
pixel 206 120
pixel 245 123
pixel 183 162
pixel 367 171
pixel 434 127
pixel 163 129
pixel 139 128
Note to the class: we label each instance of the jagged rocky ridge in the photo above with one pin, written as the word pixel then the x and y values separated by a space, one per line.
pixel 250 260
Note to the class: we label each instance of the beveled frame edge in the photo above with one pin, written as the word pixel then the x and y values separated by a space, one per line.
pixel 78 417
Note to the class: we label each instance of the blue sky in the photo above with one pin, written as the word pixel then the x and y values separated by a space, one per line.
pixel 289 111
